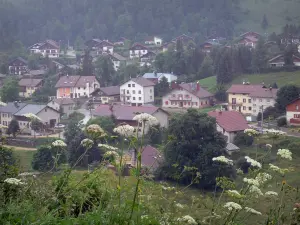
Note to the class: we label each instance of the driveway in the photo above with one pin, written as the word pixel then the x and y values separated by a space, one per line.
pixel 87 115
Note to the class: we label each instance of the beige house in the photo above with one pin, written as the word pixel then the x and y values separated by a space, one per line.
pixel 28 86
pixel 63 105
pixel 106 95
pixel 7 112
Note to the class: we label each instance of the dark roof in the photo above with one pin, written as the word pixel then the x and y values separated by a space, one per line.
pixel 148 54
pixel 67 81
pixel 104 43
pixel 35 72
pixel 64 101
pixel 138 45
pixel 143 81
pixel 53 43
pixel 19 59
pixel 256 90
pixel 200 93
pixel 150 157
pixel 32 108
pixel 281 58
pixel 116 57
pixel 12 107
pixel 83 80
pixel 249 32
pixel 111 90
pixel 30 82
pixel 230 121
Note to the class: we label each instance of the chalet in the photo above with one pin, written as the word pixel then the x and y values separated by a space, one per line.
pixel 293 112
pixel 157 77
pixel 229 123
pixel 104 46
pixel 249 39
pixel 48 48
pixel 208 45
pixel 154 40
pixel 278 61
pixel 106 95
pixel 28 86
pixel 18 66
pixel 63 105
pixel 92 44
pixel 137 50
pixel 167 46
pixel 117 60
pixel 184 38
pixel 121 42
pixel 147 59
pixel 187 95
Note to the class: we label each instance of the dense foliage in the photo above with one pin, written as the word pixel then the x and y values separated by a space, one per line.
pixel 286 95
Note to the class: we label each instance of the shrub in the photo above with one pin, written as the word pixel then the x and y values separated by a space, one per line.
pixel 243 139
pixel 8 163
pixel 294 147
pixel 281 122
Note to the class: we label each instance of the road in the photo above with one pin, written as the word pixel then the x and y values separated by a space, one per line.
pixel 87 115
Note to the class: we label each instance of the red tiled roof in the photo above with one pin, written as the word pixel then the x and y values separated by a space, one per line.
pixel 200 93
pixel 29 82
pixel 230 121
pixel 256 90
pixel 143 81
pixel 150 157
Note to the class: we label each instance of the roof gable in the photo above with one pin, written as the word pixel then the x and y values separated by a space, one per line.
pixel 111 90
pixel 138 46
pixel 67 81
pixel 18 60
pixel 142 81
pixel 256 90
pixel 30 82
pixel 12 107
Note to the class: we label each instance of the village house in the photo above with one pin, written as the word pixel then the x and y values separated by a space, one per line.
pixel 48 48
pixel 92 44
pixel 250 99
pixel 126 113
pixel 76 86
pixel 249 39
pixel 229 123
pixel 104 46
pixel 293 112
pixel 157 77
pixel 7 112
pixel 137 50
pixel 49 117
pixel 106 95
pixel 18 66
pixel 185 39
pixel 38 74
pixel 137 91
pixel 28 86
pixel 278 61
pixel 187 95
pixel 147 59
pixel 117 60
pixel 65 106
pixel 154 40
pixel 167 46
pixel 208 45
pixel 121 42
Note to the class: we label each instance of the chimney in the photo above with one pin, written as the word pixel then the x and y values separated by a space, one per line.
pixel 198 86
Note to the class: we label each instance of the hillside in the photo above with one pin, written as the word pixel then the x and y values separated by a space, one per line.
pixel 281 79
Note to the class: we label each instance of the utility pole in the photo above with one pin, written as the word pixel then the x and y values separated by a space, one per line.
pixel 262 119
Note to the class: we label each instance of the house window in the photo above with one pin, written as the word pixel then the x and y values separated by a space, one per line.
pixel 254 105
pixel 150 90
pixel 250 108
pixel 166 102
pixel 150 97
pixel 128 98
pixel 133 91
pixel 173 95
pixel 133 98
pixel 140 98
pixel 78 88
pixel 205 102
pixel 133 85
pixel 196 103
pixel 46 110
pixel 233 100
pixel 129 85
pixel 244 108
pixel 184 103
pixel 249 100
pixel 244 100
pixel 254 99
pixel 140 92
pixel 127 91
pixel 187 96
pixel 189 103
pixel 260 100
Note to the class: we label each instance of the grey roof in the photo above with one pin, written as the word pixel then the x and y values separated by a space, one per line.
pixel 142 81
pixel 156 75
pixel 64 101
pixel 111 90
pixel 232 147
pixel 35 72
pixel 117 56
pixel 30 82
pixel 74 66
pixel 12 107
pixel 30 108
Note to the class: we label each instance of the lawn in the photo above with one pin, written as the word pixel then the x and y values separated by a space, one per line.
pixel 281 78
pixel 24 157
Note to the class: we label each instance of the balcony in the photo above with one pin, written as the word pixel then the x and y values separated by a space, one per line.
pixel 179 98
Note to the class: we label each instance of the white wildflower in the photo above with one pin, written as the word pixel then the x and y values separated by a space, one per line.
pixel 32 116
pixel 178 205
pixel 3 126
pixel 125 130
pixel 187 220
pixel 253 162
pixel 2 103
pixel 232 206
pixel 95 130
pixel 59 143
pixel 239 171
pixel 87 143
pixel 111 155
pixel 223 159
pixel 255 191
pixel 263 178
pixel 146 118
pixel 13 181
pixel 168 188
pixel 251 132
pixel 25 174
pixel 143 217
pixel 251 181
pixel 274 132
pixel 277 169
pixel 271 194
pixel 234 193
pixel 253 211
pixel 109 147
pixel 268 146
pixel 285 153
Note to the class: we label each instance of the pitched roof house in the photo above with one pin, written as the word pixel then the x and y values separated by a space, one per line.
pixel 154 40
pixel 187 95
pixel 63 105
pixel 208 45
pixel 106 95
pixel 28 86
pixel 157 77
pixel 293 112
pixel 7 112
pixel 278 61
pixel 150 158
pixel 137 50
pixel 18 66
pixel 229 123
pixel 48 48
pixel 147 59
pixel 249 39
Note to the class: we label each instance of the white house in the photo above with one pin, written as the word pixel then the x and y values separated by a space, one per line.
pixel 147 59
pixel 278 61
pixel 187 95
pixel 137 91
pixel 293 112
pixel 117 60
pixel 105 46
pixel 48 48
pixel 137 50
pixel 153 41
pixel 157 77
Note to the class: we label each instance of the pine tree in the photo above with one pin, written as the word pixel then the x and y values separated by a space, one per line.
pixel 265 23
pixel 259 57
pixel 87 65
pixel 224 67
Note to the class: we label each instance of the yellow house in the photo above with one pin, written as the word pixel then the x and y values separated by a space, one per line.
pixel 28 86
pixel 107 95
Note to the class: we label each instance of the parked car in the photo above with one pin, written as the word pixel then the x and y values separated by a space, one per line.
pixel 59 125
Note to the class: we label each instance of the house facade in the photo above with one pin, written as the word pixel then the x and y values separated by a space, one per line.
pixel 28 86
pixel 137 50
pixel 250 99
pixel 293 113
pixel 137 91
pixel 18 66
pixel 208 46
pixel 117 60
pixel 48 48
pixel 185 39
pixel 7 112
pixel 153 41
pixel 106 95
pixel 147 59
pixel 76 86
pixel 157 77
pixel 63 105
pixel 278 61
pixel 249 39
pixel 189 95
pixel 105 46
pixel 229 123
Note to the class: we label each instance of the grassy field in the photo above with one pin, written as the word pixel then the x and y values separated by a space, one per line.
pixel 25 157
pixel 281 78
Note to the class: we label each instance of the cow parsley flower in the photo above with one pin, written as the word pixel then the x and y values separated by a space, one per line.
pixel 251 132
pixel 168 188
pixel 232 206
pixel 253 162
pixel 274 132
pixel 187 220
pixel 269 146
pixel 234 193
pixel 87 143
pixel 2 103
pixel 251 181
pixel 263 178
pixel 180 206
pixel 13 181
pixel 111 154
pixel 223 159
pixel 255 191
pixel 109 147
pixel 32 116
pixel 3 126
pixel 277 169
pixel 271 194
pixel 95 131
pixel 285 153
pixel 59 143
pixel 253 211
pixel 146 118
pixel 125 130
